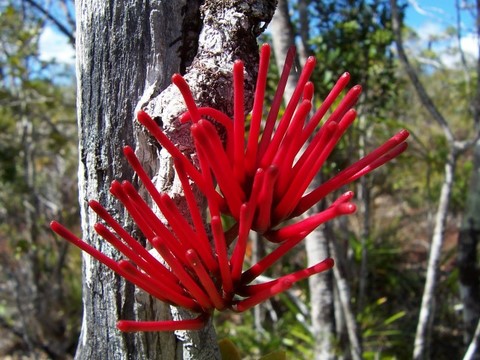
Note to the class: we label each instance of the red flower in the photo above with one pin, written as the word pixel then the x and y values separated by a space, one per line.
pixel 275 166
pixel 261 185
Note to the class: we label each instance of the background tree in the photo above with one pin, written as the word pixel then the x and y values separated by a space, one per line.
pixel 320 286
pixel 40 305
pixel 355 36
pixel 456 148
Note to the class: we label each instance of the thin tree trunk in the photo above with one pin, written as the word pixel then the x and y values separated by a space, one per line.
pixel 283 38
pixel 321 297
pixel 321 287
pixel 304 50
pixel 422 94
pixel 427 309
pixel 126 53
pixel 343 288
pixel 472 351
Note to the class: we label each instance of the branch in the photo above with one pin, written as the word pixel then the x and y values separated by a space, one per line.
pixel 417 84
pixel 63 29
pixel 69 16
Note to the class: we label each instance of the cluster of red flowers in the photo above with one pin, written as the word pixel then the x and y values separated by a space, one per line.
pixel 260 182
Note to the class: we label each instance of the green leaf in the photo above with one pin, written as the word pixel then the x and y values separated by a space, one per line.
pixel 228 350
pixel 276 355
pixel 395 317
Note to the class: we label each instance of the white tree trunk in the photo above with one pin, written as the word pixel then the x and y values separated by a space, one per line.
pixel 127 52
pixel 321 288
pixel 321 297
pixel 427 309
pixel 472 351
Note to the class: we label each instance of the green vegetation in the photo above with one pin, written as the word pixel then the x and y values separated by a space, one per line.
pixel 41 292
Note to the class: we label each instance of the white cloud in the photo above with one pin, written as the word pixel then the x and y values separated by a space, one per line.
pixel 470 45
pixel 433 12
pixel 431 35
pixel 428 30
pixel 54 45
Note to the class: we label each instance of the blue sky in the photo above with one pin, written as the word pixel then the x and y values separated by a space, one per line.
pixel 440 12
pixel 420 11
pixel 431 17
pixel 54 45
pixel 427 17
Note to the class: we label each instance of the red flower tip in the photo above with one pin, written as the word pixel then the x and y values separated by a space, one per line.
pixel 311 61
pixel 143 117
pixel 308 91
pixel 345 76
pixel 182 85
pixel 346 209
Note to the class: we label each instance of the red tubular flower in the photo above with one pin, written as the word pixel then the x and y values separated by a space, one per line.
pixel 261 183
pixel 195 277
pixel 282 150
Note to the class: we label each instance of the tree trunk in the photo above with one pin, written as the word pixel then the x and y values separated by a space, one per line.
pixel 118 51
pixel 472 352
pixel 304 50
pixel 321 287
pixel 344 297
pixel 283 38
pixel 321 297
pixel 126 53
pixel 427 309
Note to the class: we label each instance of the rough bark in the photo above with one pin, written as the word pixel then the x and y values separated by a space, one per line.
pixel 127 52
pixel 117 52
